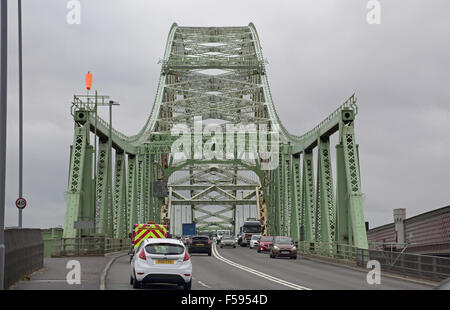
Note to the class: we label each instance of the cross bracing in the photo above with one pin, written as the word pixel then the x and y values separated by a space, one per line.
pixel 214 79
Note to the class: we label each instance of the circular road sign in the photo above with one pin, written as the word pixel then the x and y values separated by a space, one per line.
pixel 21 203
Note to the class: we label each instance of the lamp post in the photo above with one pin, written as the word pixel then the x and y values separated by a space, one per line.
pixel 110 103
pixel 20 109
pixel 3 110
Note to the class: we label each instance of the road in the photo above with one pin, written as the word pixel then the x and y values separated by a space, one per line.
pixel 245 269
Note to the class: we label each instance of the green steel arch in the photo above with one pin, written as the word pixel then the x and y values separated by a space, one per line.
pixel 212 78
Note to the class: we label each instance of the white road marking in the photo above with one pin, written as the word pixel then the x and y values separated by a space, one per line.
pixel 201 283
pixel 49 281
pixel 256 272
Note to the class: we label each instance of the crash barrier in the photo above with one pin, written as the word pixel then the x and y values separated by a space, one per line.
pixel 24 253
pixel 88 246
pixel 421 266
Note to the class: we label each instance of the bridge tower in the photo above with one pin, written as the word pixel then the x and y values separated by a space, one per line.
pixel 214 138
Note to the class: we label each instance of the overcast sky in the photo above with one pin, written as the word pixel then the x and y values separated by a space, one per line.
pixel 319 53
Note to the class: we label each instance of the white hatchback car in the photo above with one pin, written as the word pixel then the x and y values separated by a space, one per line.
pixel 161 261
pixel 254 241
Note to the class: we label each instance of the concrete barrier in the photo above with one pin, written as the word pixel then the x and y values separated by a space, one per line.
pixel 24 253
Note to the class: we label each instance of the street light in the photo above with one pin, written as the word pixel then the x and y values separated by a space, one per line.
pixel 3 110
pixel 20 109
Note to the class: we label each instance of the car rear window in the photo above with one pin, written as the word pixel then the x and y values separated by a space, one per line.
pixel 266 239
pixel 164 248
pixel 201 238
pixel 228 238
pixel 283 240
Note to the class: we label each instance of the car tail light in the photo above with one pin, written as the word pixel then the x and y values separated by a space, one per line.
pixel 190 240
pixel 209 241
pixel 186 256
pixel 142 255
pixel 246 236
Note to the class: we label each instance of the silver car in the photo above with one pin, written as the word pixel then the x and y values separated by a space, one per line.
pixel 228 241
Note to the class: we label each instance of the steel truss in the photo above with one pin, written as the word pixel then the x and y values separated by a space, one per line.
pixel 216 75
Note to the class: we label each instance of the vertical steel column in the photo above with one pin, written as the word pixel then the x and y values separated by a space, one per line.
pixel 343 235
pixel 352 174
pixel 132 202
pixel 296 198
pixel 140 188
pixel 325 194
pixel 279 195
pixel 88 201
pixel 192 193
pixel 308 196
pixel 103 183
pixel 150 199
pixel 287 205
pixel 146 188
pixel 76 197
pixel 120 201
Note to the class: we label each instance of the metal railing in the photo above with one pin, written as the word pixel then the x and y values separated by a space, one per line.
pixel 421 266
pixel 87 246
pixel 326 249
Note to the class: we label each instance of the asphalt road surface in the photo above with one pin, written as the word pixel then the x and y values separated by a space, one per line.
pixel 245 269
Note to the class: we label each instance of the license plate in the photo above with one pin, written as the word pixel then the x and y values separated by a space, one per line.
pixel 164 261
pixel 285 252
pixel 200 244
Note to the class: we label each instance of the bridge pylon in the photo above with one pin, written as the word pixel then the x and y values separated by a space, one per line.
pixel 213 137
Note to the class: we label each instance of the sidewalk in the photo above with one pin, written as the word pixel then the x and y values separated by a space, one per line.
pixel 53 275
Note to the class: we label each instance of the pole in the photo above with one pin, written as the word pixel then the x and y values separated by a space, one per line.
pixel 3 110
pixel 95 166
pixel 111 217
pixel 20 109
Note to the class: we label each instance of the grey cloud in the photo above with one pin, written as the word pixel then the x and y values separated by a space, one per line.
pixel 319 53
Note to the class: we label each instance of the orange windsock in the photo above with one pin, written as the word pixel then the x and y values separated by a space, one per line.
pixel 88 80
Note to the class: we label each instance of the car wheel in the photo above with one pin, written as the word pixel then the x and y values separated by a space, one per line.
pixel 136 284
pixel 209 253
pixel 188 286
pixel 234 246
pixel 131 279
pixel 294 257
pixel 221 246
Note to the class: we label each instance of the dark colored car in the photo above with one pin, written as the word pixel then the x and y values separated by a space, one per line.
pixel 264 243
pixel 283 247
pixel 199 244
